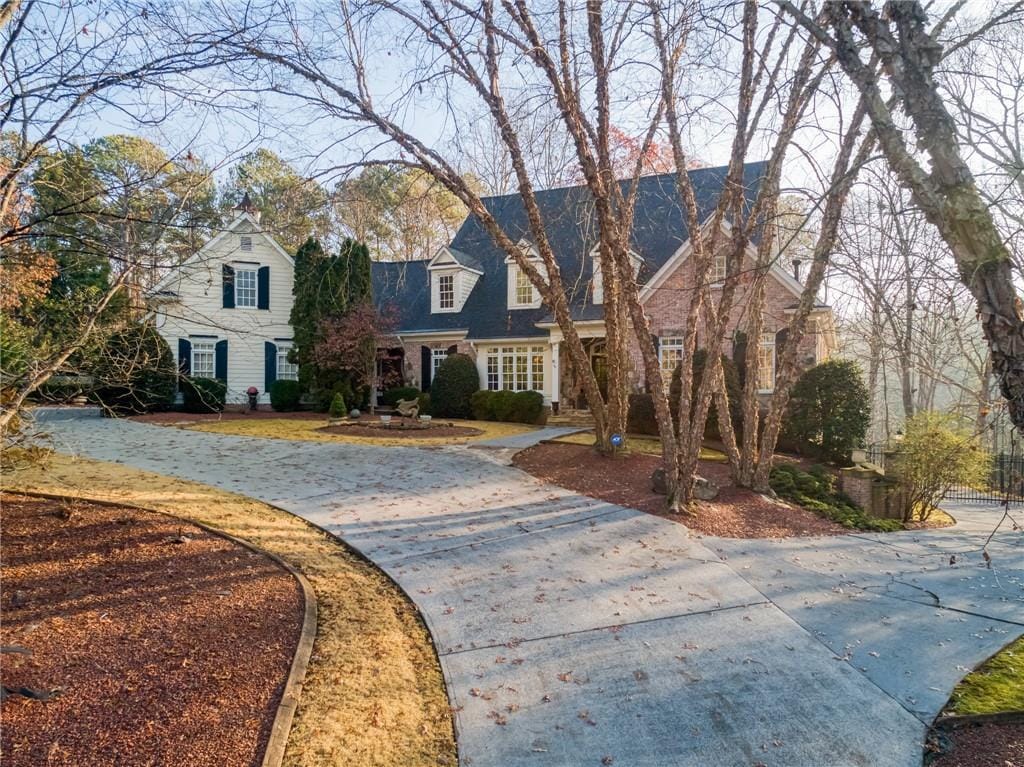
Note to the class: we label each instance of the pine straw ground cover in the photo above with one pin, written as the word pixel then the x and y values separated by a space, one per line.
pixel 373 694
pixel 134 623
pixel 309 427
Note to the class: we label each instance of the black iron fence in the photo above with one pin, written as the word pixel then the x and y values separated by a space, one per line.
pixel 1005 481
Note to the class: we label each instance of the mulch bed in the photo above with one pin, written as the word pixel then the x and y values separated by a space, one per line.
pixel 626 480
pixel 167 644
pixel 370 426
pixel 984 745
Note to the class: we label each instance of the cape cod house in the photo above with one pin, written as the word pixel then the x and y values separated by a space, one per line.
pixel 225 310
pixel 471 298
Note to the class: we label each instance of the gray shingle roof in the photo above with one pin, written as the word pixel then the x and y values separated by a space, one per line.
pixel 659 228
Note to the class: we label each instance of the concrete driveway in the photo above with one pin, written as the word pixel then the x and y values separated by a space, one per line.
pixel 576 632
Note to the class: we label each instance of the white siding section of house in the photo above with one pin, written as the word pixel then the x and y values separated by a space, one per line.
pixel 465 280
pixel 464 285
pixel 199 311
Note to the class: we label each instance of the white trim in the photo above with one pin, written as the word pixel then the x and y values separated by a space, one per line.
pixel 431 335
pixel 516 340
pixel 212 242
pixel 452 262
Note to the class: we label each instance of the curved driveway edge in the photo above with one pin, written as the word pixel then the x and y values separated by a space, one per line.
pixel 575 632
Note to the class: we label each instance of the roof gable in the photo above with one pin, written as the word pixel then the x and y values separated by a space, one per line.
pixel 211 245
pixel 570 222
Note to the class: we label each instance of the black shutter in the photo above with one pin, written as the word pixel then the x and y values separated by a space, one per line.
pixel 220 361
pixel 739 355
pixel 263 288
pixel 269 364
pixel 425 364
pixel 657 353
pixel 184 356
pixel 453 349
pixel 781 339
pixel 228 283
pixel 780 342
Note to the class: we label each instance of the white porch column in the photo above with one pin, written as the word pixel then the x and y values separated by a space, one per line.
pixel 554 372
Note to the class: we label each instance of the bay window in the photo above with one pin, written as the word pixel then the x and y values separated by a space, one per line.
pixel 517 368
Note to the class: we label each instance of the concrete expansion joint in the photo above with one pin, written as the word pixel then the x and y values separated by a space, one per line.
pixel 625 624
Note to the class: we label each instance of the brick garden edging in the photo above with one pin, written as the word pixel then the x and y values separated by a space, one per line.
pixel 273 755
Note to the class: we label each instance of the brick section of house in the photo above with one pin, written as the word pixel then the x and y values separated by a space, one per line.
pixel 668 304
pixel 412 366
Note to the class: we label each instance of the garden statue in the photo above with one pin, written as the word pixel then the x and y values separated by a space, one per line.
pixel 409 408
pixel 254 397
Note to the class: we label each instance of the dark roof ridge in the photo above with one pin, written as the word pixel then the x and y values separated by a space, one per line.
pixel 660 176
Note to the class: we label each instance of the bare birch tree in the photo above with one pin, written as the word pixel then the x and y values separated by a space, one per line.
pixel 947 193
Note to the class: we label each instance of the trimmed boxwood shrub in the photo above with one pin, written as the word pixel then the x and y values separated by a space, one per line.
pixel 829 411
pixel 527 406
pixel 203 395
pixel 136 372
pixel 285 395
pixel 504 405
pixel 456 380
pixel 424 401
pixel 391 396
pixel 640 416
pixel 732 387
pixel 482 404
pixel 509 406
pixel 815 490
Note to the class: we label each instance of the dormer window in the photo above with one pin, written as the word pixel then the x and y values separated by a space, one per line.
pixel 245 243
pixel 446 291
pixel 521 292
pixel 597 281
pixel 524 288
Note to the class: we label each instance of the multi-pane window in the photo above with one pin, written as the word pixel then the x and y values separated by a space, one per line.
pixel 437 356
pixel 766 363
pixel 493 376
pixel 286 371
pixel 203 359
pixel 524 288
pixel 670 354
pixel 718 270
pixel 517 368
pixel 245 287
pixel 446 291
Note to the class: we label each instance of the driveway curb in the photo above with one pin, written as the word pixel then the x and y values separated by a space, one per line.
pixel 273 755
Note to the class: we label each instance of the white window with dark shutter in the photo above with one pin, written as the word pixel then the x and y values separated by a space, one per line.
pixel 286 371
pixel 203 359
pixel 245 288
pixel 437 356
